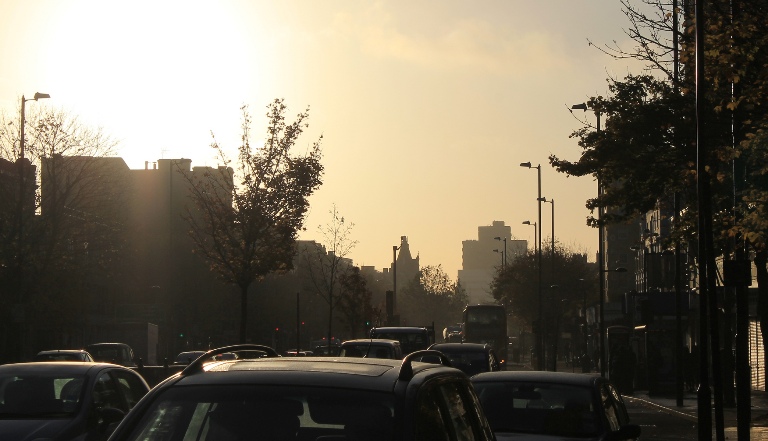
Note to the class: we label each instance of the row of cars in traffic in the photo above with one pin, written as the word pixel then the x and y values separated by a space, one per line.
pixel 257 394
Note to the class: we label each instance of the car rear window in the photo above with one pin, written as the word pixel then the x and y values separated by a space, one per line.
pixel 554 409
pixel 229 412
pixel 50 396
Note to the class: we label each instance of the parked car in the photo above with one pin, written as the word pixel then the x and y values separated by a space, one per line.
pixel 472 358
pixel 411 338
pixel 65 401
pixel 118 353
pixel 371 348
pixel 63 355
pixel 309 398
pixel 187 357
pixel 553 406
pixel 326 350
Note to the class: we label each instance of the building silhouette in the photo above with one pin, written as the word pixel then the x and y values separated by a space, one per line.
pixel 480 262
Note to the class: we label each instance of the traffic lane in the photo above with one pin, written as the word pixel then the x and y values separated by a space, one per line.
pixel 660 423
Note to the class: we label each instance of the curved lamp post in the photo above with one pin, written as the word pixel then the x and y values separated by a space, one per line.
pixel 540 341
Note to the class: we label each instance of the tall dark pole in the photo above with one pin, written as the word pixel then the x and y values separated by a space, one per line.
pixel 540 341
pixel 22 165
pixel 704 397
pixel 679 356
pixel 394 281
pixel 600 252
pixel 298 326
pixel 742 366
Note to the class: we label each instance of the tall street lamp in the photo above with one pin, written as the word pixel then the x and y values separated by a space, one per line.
pixel 600 238
pixel 540 341
pixel 602 315
pixel 22 168
pixel 533 224
pixel 505 248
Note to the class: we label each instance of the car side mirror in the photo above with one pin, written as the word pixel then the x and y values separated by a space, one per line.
pixel 627 432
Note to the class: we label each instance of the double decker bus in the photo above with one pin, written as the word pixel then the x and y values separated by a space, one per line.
pixel 487 324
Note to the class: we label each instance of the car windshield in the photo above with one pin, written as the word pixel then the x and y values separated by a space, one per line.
pixel 409 341
pixel 110 354
pixel 553 409
pixel 40 396
pixel 234 412
pixel 365 350
pixel 469 362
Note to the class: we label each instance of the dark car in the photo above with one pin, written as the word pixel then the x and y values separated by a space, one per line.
pixel 411 338
pixel 309 399
pixel 63 355
pixel 187 357
pixel 372 348
pixel 117 353
pixel 65 400
pixel 553 406
pixel 472 358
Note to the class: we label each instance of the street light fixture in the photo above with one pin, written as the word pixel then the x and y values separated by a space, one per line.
pixel 541 304
pixel 505 249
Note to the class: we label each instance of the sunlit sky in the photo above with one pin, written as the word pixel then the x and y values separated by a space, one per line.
pixel 426 108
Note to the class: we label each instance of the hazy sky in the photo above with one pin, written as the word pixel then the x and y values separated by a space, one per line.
pixel 427 108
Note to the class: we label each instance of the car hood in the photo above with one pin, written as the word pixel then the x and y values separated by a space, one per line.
pixel 32 429
pixel 511 436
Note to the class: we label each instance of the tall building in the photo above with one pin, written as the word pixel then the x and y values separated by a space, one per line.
pixel 482 257
pixel 407 267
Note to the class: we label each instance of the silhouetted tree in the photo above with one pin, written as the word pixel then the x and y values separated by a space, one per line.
pixel 63 236
pixel 354 301
pixel 432 298
pixel 517 284
pixel 248 229
pixel 326 263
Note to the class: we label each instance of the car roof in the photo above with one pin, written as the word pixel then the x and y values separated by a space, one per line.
pixel 399 328
pixel 372 341
pixel 574 379
pixel 375 374
pixel 57 367
pixel 461 347
pixel 63 351
pixel 108 344
pixel 356 373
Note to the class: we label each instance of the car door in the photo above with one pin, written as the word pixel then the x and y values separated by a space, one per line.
pixel 613 407
pixel 447 410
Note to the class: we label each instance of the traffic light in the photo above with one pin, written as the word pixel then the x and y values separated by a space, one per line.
pixel 181 334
